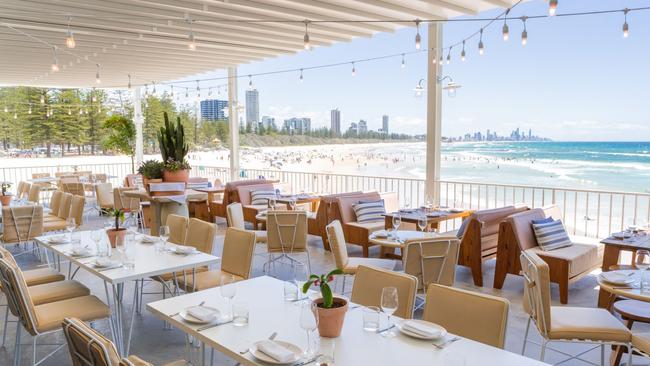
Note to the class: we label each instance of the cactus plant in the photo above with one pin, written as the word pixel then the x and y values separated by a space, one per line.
pixel 173 148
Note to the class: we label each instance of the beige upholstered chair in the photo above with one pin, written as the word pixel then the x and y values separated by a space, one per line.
pixel 235 218
pixel 129 205
pixel 64 208
pixel 237 260
pixel 24 190
pixel 34 194
pixel 104 194
pixel 369 282
pixel 21 223
pixel 177 228
pixel 19 189
pixel 200 235
pixel 88 347
pixel 77 209
pixel 56 220
pixel 349 265
pixel 75 188
pixel 641 345
pixel 469 314
pixel 286 235
pixel 432 260
pixel 45 318
pixel 55 203
pixel 564 323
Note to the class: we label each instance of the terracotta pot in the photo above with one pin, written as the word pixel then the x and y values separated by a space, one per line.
pixel 146 182
pixel 6 200
pixel 182 175
pixel 330 321
pixel 114 234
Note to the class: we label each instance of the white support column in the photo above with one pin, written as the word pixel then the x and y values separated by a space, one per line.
pixel 138 121
pixel 233 117
pixel 434 112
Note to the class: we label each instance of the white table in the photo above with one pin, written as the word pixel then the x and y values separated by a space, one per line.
pixel 148 263
pixel 270 313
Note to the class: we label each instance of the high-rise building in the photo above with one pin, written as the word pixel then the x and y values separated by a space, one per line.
pixel 252 106
pixel 335 122
pixel 213 109
pixel 297 126
pixel 267 122
pixel 354 129
pixel 363 127
pixel 384 124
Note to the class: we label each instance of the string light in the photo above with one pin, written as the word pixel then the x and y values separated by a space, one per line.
pixel 306 38
pixel 94 96
pixel 192 44
pixel 30 109
pixel 462 53
pixel 55 63
pixel 418 39
pixel 69 40
pixel 97 79
pixel 69 111
pixel 449 56
pixel 552 7
pixel 15 115
pixel 129 85
pixel 186 95
pixel 481 46
pixel 404 61
pixel 250 82
pixel 524 33
pixel 172 91
pixel 209 91
pixel 354 70
pixel 505 30
pixel 146 90
pixel 440 61
pixel 153 91
pixel 6 109
pixel 300 78
pixel 626 28
pixel 198 90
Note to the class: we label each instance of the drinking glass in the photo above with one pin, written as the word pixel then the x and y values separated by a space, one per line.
pixel 397 221
pixel 642 262
pixel 371 319
pixel 272 203
pixel 326 350
pixel 163 233
pixel 308 322
pixel 300 277
pixel 120 247
pixel 407 203
pixel 228 290
pixel 70 225
pixel 428 202
pixel 292 204
pixel 240 314
pixel 389 303
pixel 129 252
pixel 422 222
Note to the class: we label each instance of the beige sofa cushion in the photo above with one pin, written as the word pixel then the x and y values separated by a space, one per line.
pixel 586 323
pixel 581 257
pixel 57 291
pixel 40 276
pixel 370 226
pixel 86 308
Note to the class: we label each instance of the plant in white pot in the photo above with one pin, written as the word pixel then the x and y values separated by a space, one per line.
pixel 330 309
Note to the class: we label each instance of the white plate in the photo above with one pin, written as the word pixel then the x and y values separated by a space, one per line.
pixel 297 351
pixel 443 331
pixel 190 319
pixel 623 281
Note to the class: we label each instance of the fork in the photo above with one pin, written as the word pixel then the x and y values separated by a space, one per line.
pixel 446 343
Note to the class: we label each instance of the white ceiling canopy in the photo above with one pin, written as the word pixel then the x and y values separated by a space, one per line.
pixel 149 39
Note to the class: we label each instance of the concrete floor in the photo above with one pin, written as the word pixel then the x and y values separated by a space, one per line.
pixel 159 346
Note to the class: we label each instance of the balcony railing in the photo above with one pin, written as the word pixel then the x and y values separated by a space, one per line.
pixel 586 212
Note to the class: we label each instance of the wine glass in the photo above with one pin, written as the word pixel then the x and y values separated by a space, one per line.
pixel 163 233
pixel 389 303
pixel 292 204
pixel 428 203
pixel 272 203
pixel 228 289
pixel 642 262
pixel 407 203
pixel 397 221
pixel 308 322
pixel 422 222
pixel 300 277
pixel 70 225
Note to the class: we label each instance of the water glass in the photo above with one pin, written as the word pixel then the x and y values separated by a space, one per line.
pixel 397 221
pixel 326 350
pixel 70 225
pixel 308 322
pixel 163 233
pixel 371 319
pixel 228 289
pixel 129 254
pixel 290 291
pixel 642 262
pixel 389 304
pixel 239 314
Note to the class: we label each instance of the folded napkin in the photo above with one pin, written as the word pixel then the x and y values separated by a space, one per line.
pixel 616 277
pixel 58 239
pixel 183 249
pixel 275 350
pixel 201 313
pixel 148 239
pixel 380 234
pixel 422 329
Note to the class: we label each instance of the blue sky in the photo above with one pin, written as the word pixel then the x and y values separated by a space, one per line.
pixel 577 79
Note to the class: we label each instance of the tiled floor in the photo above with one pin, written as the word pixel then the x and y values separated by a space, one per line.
pixel 158 346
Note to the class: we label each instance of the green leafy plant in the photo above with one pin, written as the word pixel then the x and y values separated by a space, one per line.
pixel 323 281
pixel 118 215
pixel 151 169
pixel 173 147
pixel 120 136
pixel 173 165
pixel 5 187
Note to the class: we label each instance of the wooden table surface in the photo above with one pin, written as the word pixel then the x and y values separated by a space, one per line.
pixel 434 218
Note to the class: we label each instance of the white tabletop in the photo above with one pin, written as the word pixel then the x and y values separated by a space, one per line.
pixel 148 261
pixel 42 180
pixel 270 313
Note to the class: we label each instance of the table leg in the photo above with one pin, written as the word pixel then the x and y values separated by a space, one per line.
pixel 610 258
pixel 115 301
pixel 155 224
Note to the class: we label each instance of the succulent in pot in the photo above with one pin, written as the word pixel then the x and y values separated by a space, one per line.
pixel 117 231
pixel 151 171
pixel 173 150
pixel 330 309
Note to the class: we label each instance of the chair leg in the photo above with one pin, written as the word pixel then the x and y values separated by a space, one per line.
pixel 17 346
pixel 34 350
pixel 4 326
pixel 629 357
pixel 541 356
pixel 523 348
pixel 602 355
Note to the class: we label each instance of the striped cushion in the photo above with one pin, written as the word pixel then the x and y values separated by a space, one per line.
pixel 369 211
pixel 261 197
pixel 551 235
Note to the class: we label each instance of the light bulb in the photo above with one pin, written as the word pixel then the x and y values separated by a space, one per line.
pixel 300 78
pixel 192 44
pixel 354 70
pixel 481 48
pixel 418 38
pixel 69 111
pixel 42 98
pixel 69 41
pixel 250 83
pixel 6 109
pixel 55 66
pixel 449 58
pixel 552 7
pixel 626 30
pixel 306 37
pixel 30 110
pixel 462 55
pixel 506 32
pixel 524 38
pixel 97 79
pixel 129 84
pixel 15 115
pixel 440 61
pixel 404 61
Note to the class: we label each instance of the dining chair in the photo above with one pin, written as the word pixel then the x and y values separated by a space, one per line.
pixel 55 203
pixel 129 205
pixel 88 347
pixel 56 220
pixel 286 236
pixel 431 260
pixel 19 189
pixel 24 191
pixel 200 235
pixel 349 265
pixel 64 208
pixel 236 260
pixel 21 225
pixel 77 209
pixel 43 319
pixel 565 323
pixel 104 194
pixel 74 188
pixel 370 281
pixel 34 194
pixel 235 218
pixel 480 317
pixel 177 228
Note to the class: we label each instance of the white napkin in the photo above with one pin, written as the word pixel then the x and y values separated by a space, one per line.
pixel 616 277
pixel 421 329
pixel 183 249
pixel 380 234
pixel 276 351
pixel 58 239
pixel 148 239
pixel 201 312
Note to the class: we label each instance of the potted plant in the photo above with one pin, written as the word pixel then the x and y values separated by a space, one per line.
pixel 151 171
pixel 5 199
pixel 117 231
pixel 330 310
pixel 173 149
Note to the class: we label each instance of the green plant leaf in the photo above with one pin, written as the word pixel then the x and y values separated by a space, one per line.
pixel 306 286
pixel 326 291
pixel 334 272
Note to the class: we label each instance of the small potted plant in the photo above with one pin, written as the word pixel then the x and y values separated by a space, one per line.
pixel 151 171
pixel 330 310
pixel 5 199
pixel 117 231
pixel 173 150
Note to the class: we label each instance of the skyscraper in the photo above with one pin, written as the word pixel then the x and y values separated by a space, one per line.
pixel 384 124
pixel 213 109
pixel 363 127
pixel 252 106
pixel 335 122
